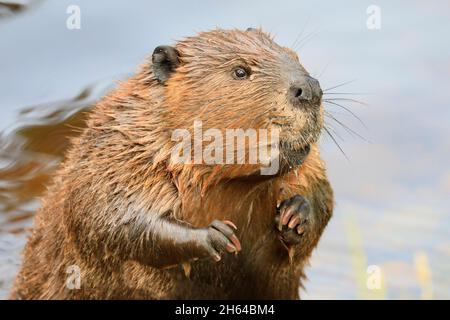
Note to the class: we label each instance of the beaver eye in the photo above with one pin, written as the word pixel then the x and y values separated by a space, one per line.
pixel 240 73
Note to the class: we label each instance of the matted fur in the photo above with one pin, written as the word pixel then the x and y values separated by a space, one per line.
pixel 117 184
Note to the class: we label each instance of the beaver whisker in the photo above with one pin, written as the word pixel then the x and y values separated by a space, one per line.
pixel 349 93
pixel 308 38
pixel 348 110
pixel 339 85
pixel 335 142
pixel 297 39
pixel 330 127
pixel 347 99
pixel 349 130
pixel 323 71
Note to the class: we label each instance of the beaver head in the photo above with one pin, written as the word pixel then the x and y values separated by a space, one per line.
pixel 241 79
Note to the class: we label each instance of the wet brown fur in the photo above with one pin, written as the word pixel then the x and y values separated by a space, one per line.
pixel 118 177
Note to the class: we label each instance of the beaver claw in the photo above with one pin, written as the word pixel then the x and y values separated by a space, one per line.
pixel 220 237
pixel 293 219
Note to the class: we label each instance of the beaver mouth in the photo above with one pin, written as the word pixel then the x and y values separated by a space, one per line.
pixel 303 152
pixel 294 156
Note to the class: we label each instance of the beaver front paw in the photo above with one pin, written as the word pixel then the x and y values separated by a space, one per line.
pixel 219 237
pixel 293 219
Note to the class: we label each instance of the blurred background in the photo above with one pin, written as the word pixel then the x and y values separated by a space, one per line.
pixel 389 237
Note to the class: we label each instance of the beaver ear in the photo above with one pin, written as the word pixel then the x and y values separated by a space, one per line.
pixel 165 60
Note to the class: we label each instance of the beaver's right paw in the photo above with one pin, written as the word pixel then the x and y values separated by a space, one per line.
pixel 293 219
pixel 220 237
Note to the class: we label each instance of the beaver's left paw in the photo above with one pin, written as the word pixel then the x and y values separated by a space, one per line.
pixel 293 219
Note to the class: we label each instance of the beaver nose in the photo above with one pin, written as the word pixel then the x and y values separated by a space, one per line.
pixel 305 89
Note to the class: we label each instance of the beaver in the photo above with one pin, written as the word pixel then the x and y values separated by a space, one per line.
pixel 136 225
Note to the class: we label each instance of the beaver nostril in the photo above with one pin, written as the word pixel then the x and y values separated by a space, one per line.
pixel 305 89
pixel 298 93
